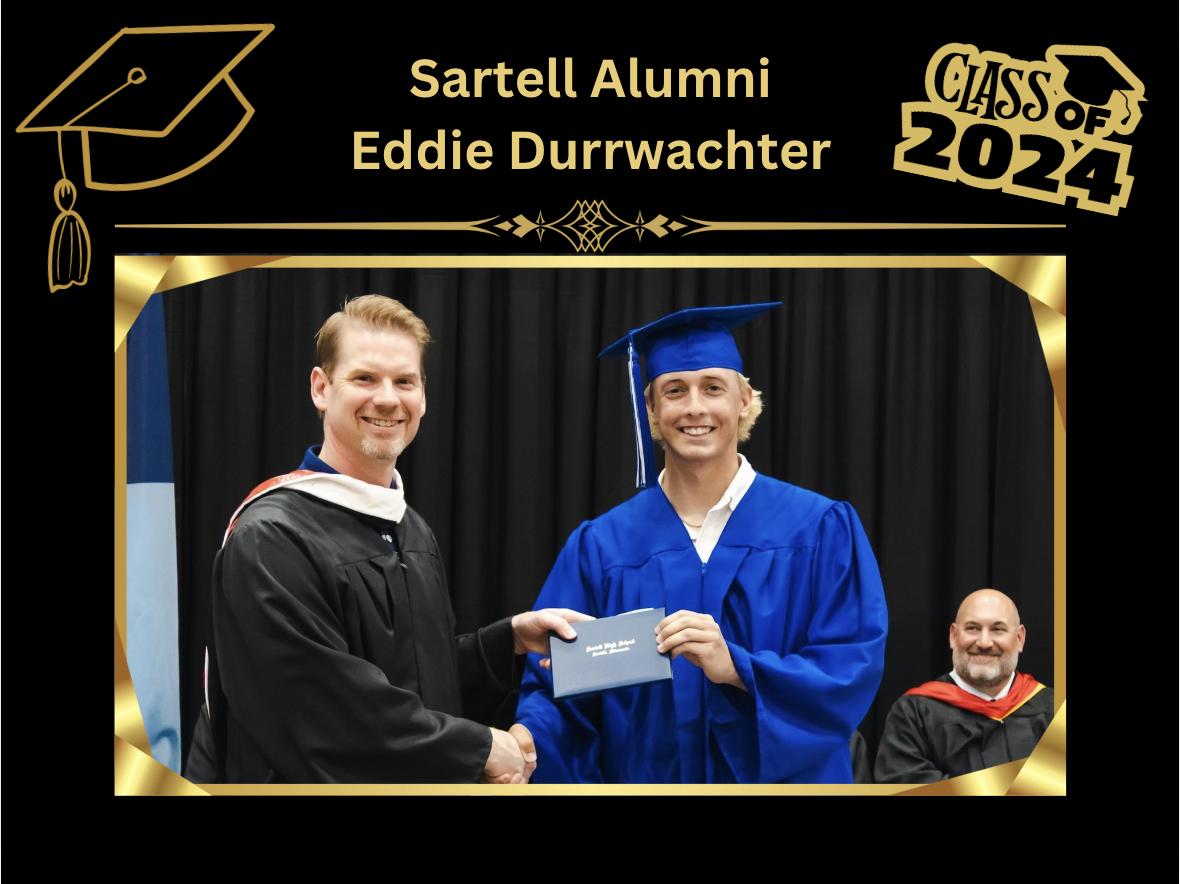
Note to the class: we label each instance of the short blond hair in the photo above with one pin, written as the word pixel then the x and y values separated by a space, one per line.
pixel 745 424
pixel 374 311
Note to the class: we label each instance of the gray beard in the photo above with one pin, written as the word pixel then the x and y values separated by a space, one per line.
pixel 981 681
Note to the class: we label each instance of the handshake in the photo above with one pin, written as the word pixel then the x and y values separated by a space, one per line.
pixel 513 757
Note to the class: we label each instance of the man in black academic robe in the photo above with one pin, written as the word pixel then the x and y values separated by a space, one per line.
pixel 981 714
pixel 335 658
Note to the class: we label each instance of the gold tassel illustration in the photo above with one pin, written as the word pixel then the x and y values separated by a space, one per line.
pixel 69 243
pixel 194 62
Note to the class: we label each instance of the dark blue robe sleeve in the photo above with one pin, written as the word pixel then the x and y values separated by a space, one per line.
pixel 802 706
pixel 567 733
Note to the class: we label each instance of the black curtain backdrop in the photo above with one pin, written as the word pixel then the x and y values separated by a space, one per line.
pixel 920 396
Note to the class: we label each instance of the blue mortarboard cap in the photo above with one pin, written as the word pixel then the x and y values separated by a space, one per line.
pixel 688 340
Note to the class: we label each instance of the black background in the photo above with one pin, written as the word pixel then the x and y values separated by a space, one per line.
pixel 315 80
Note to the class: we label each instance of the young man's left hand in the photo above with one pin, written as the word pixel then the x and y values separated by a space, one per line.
pixel 698 639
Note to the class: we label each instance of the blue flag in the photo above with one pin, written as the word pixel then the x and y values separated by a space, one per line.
pixel 152 606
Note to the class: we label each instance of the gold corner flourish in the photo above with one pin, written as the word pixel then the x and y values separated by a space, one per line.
pixel 1043 279
pixel 128 719
pixel 138 277
pixel 1042 773
pixel 136 772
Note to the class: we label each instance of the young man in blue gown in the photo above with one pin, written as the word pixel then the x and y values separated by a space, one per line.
pixel 777 617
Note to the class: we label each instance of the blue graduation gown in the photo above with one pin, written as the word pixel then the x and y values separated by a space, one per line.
pixel 795 587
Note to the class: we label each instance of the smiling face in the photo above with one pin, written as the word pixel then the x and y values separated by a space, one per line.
pixel 697 413
pixel 373 402
pixel 986 640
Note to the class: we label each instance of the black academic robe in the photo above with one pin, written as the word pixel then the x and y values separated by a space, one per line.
pixel 200 766
pixel 336 653
pixel 927 740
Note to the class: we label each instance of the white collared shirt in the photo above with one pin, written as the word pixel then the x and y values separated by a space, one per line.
pixel 705 538
pixel 975 692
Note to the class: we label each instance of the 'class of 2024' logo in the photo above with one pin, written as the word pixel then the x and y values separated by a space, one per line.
pixel 1040 129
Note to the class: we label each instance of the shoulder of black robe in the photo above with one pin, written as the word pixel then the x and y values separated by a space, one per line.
pixel 337 655
pixel 926 740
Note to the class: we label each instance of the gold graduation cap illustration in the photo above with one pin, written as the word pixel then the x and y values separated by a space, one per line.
pixel 152 105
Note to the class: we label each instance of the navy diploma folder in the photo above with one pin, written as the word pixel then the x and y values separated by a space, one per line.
pixel 611 652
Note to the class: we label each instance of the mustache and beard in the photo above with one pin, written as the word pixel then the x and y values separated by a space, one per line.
pixel 984 669
pixel 385 449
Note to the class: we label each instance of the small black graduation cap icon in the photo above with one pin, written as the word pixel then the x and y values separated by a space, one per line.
pixel 1095 75
pixel 1091 78
pixel 152 105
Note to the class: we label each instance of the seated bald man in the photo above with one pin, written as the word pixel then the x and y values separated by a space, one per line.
pixel 981 714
